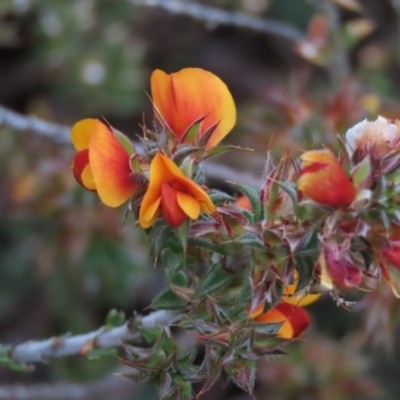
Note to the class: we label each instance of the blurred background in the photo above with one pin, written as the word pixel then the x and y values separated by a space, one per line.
pixel 65 260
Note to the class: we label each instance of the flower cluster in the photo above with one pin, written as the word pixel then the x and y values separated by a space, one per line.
pixel 243 268
pixel 107 162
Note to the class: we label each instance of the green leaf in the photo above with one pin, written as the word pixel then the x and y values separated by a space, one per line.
pixel 171 260
pixel 216 151
pixel 150 335
pixel 225 250
pixel 124 141
pixel 309 244
pixel 267 328
pixel 219 197
pixel 251 241
pixel 253 194
pixel 168 300
pixel 244 298
pixel 291 189
pixel 180 279
pixel 97 354
pixel 183 234
pixel 214 280
pixel 361 172
pixel 304 266
pixel 193 132
pixel 305 255
pixel 115 318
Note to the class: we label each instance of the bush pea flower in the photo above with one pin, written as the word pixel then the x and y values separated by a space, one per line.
pixel 288 311
pixel 191 96
pixel 374 138
pixel 323 179
pixel 294 319
pixel 170 191
pixel 102 163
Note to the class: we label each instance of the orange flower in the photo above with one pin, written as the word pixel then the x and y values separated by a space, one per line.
pixel 183 98
pixel 102 163
pixel 324 180
pixel 176 195
pixel 289 311
pixel 294 319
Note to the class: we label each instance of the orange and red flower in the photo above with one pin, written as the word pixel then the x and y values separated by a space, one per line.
pixel 170 191
pixel 323 179
pixel 191 95
pixel 102 163
pixel 294 319
pixel 288 311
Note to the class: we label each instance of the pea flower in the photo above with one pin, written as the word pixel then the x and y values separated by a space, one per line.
pixel 289 311
pixel 294 319
pixel 191 96
pixel 102 163
pixel 170 191
pixel 323 179
pixel 336 268
pixel 374 138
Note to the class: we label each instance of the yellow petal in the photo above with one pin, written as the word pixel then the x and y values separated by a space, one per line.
pixel 149 214
pixel 87 178
pixel 189 205
pixel 82 132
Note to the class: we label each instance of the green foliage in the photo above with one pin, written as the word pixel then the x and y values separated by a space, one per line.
pixel 253 195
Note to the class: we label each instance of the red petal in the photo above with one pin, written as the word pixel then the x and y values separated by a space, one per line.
pixel 80 166
pixel 296 316
pixel 342 272
pixel 173 214
pixel 393 255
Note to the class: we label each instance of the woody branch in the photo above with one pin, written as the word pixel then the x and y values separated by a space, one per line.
pixel 213 17
pixel 39 351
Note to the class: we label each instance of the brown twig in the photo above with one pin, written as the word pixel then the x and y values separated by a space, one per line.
pixel 214 16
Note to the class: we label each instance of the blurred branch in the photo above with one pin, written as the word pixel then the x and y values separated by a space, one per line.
pixel 61 135
pixel 215 16
pixel 39 351
pixel 339 66
pixel 18 122
pixel 105 388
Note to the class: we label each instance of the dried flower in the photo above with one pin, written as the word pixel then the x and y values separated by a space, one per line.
pixel 373 138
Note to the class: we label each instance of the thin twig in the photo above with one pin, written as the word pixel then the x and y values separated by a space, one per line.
pixel 215 16
pixel 39 351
